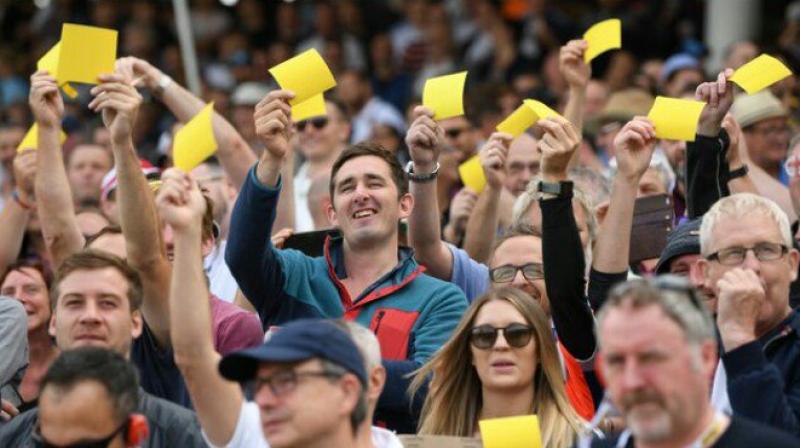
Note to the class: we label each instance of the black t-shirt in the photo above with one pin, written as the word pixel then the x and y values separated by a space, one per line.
pixel 741 433
pixel 159 375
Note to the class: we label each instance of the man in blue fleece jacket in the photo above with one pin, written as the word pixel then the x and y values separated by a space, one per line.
pixel 364 275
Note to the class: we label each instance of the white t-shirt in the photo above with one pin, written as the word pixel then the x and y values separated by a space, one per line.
pixel 248 433
pixel 221 281
pixel 303 221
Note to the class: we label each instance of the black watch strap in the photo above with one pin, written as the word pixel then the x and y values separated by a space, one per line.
pixel 561 189
pixel 739 172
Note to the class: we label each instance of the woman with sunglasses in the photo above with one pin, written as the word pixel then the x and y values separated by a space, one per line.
pixel 500 362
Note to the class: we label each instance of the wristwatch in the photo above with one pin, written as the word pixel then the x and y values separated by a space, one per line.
pixel 561 189
pixel 421 177
pixel 739 172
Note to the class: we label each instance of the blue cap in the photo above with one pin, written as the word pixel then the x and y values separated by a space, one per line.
pixel 684 240
pixel 298 341
pixel 679 62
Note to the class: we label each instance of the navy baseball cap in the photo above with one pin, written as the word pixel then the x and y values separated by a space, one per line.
pixel 684 240
pixel 297 341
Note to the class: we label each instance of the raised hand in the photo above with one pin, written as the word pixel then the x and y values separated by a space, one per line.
pixel 570 62
pixel 45 100
pixel 25 174
pixel 740 295
pixel 461 207
pixel 273 119
pixel 119 102
pixel 180 202
pixel 718 96
pixel 424 140
pixel 634 146
pixel 558 144
pixel 139 71
pixel 493 156
pixel 734 155
pixel 280 237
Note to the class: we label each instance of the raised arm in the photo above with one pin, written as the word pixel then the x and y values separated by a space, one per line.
pixel 482 224
pixel 739 183
pixel 53 195
pixel 15 214
pixel 216 401
pixel 577 74
pixel 424 144
pixel 119 102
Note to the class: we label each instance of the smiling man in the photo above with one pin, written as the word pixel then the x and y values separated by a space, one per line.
pixel 364 275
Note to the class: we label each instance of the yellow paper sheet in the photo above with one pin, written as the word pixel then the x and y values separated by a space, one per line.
pixel 306 75
pixel 511 432
pixel 602 36
pixel 760 73
pixel 86 52
pixel 676 119
pixel 312 107
pixel 472 175
pixel 525 116
pixel 195 141
pixel 49 62
pixel 31 139
pixel 444 95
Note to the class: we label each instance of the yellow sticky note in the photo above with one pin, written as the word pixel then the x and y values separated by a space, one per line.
pixel 195 141
pixel 676 119
pixel 472 175
pixel 49 62
pixel 602 36
pixel 511 432
pixel 760 73
pixel 526 116
pixel 306 75
pixel 31 139
pixel 312 107
pixel 444 95
pixel 86 52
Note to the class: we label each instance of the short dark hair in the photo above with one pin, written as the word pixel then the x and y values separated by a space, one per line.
pixel 31 263
pixel 369 148
pixel 117 376
pixel 93 260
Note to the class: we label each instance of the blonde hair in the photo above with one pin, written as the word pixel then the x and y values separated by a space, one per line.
pixel 454 401
pixel 738 206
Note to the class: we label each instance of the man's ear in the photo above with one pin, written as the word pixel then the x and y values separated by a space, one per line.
pixel 406 203
pixel 351 391
pixel 377 379
pixel 137 324
pixel 330 212
pixel 51 328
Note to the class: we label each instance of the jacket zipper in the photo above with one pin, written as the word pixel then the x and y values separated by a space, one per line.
pixel 378 321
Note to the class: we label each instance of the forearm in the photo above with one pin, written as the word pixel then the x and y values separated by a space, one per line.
pixel 233 152
pixel 54 201
pixel 706 170
pixel 423 231
pixel 611 252
pixel 13 220
pixel 482 225
pixel 284 214
pixel 216 401
pixel 742 184
pixel 573 112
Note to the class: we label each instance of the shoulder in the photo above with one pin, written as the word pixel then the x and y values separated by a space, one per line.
pixel 18 430
pixel 170 421
pixel 745 432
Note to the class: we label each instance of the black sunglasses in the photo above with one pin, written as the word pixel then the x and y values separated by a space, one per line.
pixel 455 132
pixel 318 123
pixel 485 336
pixel 40 442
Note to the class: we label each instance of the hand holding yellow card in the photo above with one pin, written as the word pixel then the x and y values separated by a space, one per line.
pixel 444 95
pixel 760 73
pixel 525 116
pixel 676 119
pixel 511 432
pixel 306 75
pixel 195 141
pixel 85 53
pixel 472 175
pixel 31 139
pixel 601 37
pixel 49 62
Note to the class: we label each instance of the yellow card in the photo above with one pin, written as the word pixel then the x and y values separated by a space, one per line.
pixel 760 73
pixel 306 75
pixel 511 432
pixel 49 62
pixel 31 139
pixel 542 110
pixel 602 36
pixel 195 141
pixel 676 119
pixel 525 116
pixel 472 175
pixel 444 95
pixel 312 107
pixel 86 52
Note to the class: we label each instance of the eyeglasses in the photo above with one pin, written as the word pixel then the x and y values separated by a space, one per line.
pixel 40 442
pixel 318 123
pixel 485 336
pixel 283 382
pixel 734 256
pixel 507 272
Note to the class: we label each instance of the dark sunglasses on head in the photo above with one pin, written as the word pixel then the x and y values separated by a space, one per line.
pixel 318 123
pixel 40 442
pixel 485 336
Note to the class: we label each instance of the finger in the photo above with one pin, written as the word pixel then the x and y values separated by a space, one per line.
pixel 713 96
pixel 554 128
pixel 283 95
pixel 428 134
pixel 420 111
pixel 721 84
pixel 272 106
pixel 112 87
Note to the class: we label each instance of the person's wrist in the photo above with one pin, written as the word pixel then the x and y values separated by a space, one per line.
pixel 710 128
pixel 734 336
pixel 22 199
pixel 553 176
pixel 423 167
pixel 578 89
